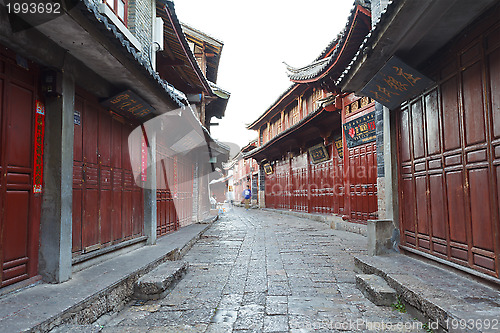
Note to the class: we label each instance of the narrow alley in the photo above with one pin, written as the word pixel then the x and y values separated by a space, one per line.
pixel 258 271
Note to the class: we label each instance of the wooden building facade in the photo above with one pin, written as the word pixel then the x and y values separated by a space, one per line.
pixel 308 162
pixel 442 156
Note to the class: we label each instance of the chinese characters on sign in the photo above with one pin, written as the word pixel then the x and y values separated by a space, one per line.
pixel 268 169
pixel 38 147
pixel 318 153
pixel 144 160
pixel 339 145
pixel 395 83
pixel 129 104
pixel 360 130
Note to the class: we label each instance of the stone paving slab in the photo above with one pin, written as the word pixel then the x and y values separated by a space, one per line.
pixel 258 271
pixel 92 292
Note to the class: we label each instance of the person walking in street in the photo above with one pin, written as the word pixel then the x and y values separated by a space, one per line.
pixel 247 194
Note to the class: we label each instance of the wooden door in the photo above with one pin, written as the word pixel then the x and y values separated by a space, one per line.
pixel 363 182
pixel 107 204
pixel 20 209
pixel 167 217
pixel 449 157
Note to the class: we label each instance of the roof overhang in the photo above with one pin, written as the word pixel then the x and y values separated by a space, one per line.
pixel 177 62
pixel 315 127
pixel 217 107
pixel 413 31
pixel 285 98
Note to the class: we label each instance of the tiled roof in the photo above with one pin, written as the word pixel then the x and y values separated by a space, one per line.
pixel 338 48
pixel 93 10
pixel 369 39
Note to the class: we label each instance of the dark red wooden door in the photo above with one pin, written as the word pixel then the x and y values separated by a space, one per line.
pixel 20 209
pixel 107 204
pixel 362 177
pixel 449 157
pixel 167 218
pixel 174 196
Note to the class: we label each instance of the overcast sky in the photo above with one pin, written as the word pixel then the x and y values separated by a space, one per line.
pixel 258 36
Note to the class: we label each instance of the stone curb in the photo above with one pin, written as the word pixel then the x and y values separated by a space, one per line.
pixel 425 301
pixel 335 222
pixel 115 295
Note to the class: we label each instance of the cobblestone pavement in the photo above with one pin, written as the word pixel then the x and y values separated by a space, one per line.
pixel 257 271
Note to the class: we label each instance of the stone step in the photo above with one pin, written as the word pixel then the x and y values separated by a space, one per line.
pixel 376 289
pixel 157 283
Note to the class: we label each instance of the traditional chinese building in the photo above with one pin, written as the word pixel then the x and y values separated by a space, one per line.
pixel 244 172
pixel 434 69
pixel 317 145
pixel 72 91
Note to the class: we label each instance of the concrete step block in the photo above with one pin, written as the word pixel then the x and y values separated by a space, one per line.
pixel 376 289
pixel 157 283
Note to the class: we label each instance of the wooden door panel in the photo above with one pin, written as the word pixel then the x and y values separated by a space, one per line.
pixel 437 206
pixel 116 215
pixel 418 129
pixel 90 221
pixel 451 121
pixel 105 218
pixel 116 142
pixel 77 220
pixel 480 207
pixel 90 125
pixel 494 83
pixel 408 200
pixel 104 139
pixel 16 225
pixel 18 135
pixel 421 202
pixel 456 203
pixel 78 132
pixel 473 104
pixel 433 138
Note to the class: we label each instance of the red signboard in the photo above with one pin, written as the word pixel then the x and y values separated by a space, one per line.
pixel 38 147
pixel 144 160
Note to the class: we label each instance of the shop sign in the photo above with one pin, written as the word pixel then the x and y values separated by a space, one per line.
pixel 318 153
pixel 268 169
pixel 395 83
pixel 360 130
pixel 38 147
pixel 144 160
pixel 129 104
pixel 339 145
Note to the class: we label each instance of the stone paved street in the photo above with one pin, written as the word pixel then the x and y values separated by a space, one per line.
pixel 258 271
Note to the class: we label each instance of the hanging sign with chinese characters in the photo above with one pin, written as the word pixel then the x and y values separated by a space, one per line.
pixel 339 145
pixel 129 104
pixel 268 169
pixel 395 83
pixel 360 130
pixel 318 153
pixel 38 147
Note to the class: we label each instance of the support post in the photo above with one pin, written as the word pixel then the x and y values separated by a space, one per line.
pixel 56 219
pixel 150 214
